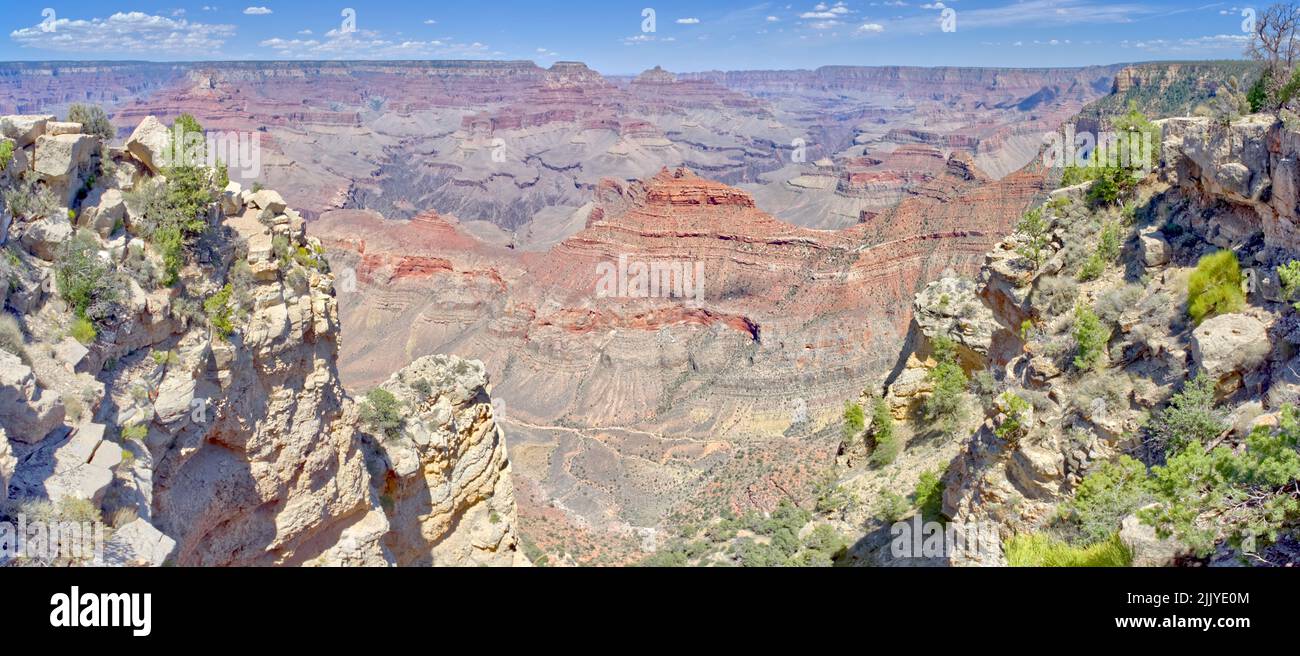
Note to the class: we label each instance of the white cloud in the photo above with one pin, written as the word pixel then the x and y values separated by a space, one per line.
pixel 688 21
pixel 133 32
pixel 870 28
pixel 430 21
pixel 257 11
pixel 369 44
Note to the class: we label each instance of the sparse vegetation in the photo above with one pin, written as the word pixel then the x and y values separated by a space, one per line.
pixel 93 120
pixel 88 283
pixel 1244 496
pixel 882 433
pixel 1289 275
pixel 1193 416
pixel 891 507
pixel 219 312
pixel 1055 294
pixel 929 496
pixel 1016 412
pixel 1105 497
pixel 1041 550
pixel 1214 288
pixel 944 405
pixel 31 201
pixel 1090 339
pixel 1035 236
pixel 11 337
pixel 134 432
pixel 382 413
pixel 855 420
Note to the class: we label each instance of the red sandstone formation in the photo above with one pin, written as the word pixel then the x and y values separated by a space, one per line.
pixel 788 315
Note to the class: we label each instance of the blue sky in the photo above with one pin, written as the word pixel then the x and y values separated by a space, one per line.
pixel 614 36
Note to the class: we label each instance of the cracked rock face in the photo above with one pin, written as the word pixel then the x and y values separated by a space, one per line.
pixel 239 448
pixel 447 488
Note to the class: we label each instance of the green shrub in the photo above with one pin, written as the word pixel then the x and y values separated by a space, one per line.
pixel 93 120
pixel 1039 550
pixel 1035 236
pixel 891 507
pixel 220 312
pixel 31 201
pixel 134 432
pixel 944 405
pixel 1245 497
pixel 1257 96
pixel 1016 410
pixel 1092 267
pixel 1289 275
pixel 174 214
pixel 1110 242
pixel 855 420
pixel 929 495
pixel 831 496
pixel 1117 301
pixel 1055 294
pixel 87 282
pixel 382 413
pixel 1193 416
pixel 1106 496
pixel 83 330
pixel 6 153
pixel 1090 339
pixel 882 433
pixel 1214 288
pixel 423 387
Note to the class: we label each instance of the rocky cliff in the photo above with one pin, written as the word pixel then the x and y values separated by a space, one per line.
pixel 1059 411
pixel 189 391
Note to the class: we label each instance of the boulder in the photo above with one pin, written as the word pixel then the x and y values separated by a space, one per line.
pixel 75 472
pixel 102 211
pixel 59 157
pixel 71 353
pixel 138 544
pixel 150 143
pixel 1148 549
pixel 232 201
pixel 55 128
pixel 26 414
pixel 1153 248
pixel 1228 347
pixel 24 129
pixel 42 238
pixel 952 308
pixel 269 201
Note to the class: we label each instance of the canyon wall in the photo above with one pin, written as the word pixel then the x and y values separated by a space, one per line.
pixel 205 420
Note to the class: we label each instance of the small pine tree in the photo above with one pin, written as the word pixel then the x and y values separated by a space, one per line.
pixel 1035 232
pixel 1090 338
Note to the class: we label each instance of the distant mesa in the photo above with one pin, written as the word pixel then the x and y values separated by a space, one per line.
pixel 656 75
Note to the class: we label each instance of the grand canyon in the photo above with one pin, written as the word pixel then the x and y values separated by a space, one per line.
pixel 498 312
